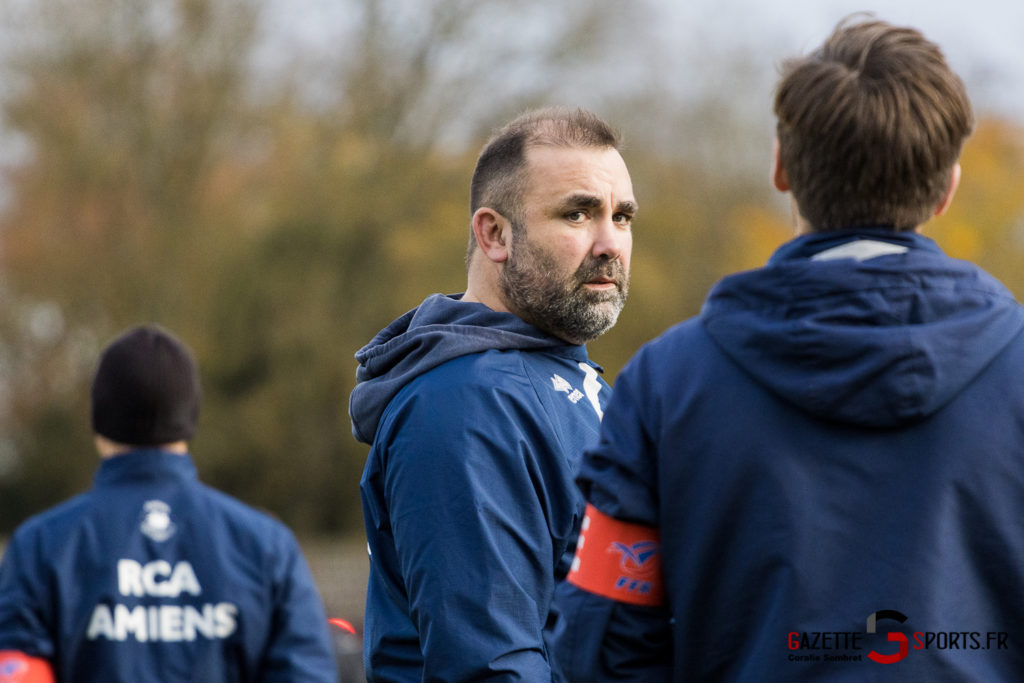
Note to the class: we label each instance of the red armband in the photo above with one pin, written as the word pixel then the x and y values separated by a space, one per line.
pixel 17 667
pixel 618 560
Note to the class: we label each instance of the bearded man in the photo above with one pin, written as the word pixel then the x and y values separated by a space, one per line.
pixel 478 407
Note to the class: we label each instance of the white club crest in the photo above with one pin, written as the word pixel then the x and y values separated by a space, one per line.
pixel 156 520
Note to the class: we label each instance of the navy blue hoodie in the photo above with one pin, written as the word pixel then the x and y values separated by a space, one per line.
pixel 477 421
pixel 833 452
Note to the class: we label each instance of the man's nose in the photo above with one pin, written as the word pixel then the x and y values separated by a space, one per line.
pixel 610 239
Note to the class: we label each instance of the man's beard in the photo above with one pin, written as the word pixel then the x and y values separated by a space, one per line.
pixel 564 307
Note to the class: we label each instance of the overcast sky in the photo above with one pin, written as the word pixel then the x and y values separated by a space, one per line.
pixel 983 39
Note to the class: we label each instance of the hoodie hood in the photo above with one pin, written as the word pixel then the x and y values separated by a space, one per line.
pixel 870 328
pixel 441 328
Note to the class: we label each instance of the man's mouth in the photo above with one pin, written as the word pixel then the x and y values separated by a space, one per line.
pixel 601 283
pixel 601 277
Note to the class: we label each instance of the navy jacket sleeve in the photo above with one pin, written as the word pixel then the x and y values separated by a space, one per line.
pixel 469 500
pixel 300 647
pixel 23 598
pixel 597 638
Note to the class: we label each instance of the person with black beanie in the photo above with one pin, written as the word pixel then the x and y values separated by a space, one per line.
pixel 152 576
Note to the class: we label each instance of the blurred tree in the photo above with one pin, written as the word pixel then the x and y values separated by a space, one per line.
pixel 126 110
pixel 278 218
pixel 985 222
pixel 276 224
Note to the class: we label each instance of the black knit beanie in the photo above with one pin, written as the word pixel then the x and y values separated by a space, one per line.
pixel 146 389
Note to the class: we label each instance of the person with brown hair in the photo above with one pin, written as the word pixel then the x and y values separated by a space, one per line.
pixel 478 406
pixel 821 477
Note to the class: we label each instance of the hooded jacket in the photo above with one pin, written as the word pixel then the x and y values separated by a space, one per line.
pixel 152 577
pixel 833 454
pixel 476 421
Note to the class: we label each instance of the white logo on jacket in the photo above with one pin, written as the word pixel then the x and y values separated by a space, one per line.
pixel 156 520
pixel 591 388
pixel 561 384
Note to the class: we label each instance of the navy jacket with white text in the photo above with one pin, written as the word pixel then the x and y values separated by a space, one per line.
pixel 153 577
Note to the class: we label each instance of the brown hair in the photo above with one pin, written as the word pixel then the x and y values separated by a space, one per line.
pixel 870 126
pixel 499 180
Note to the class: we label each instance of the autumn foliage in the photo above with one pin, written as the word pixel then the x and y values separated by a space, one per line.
pixel 276 224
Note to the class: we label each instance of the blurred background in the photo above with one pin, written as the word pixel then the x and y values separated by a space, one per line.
pixel 276 180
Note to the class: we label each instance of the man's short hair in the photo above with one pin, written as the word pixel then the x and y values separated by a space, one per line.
pixel 499 180
pixel 870 126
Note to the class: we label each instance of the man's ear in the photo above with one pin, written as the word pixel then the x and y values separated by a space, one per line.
pixel 779 178
pixel 954 182
pixel 493 234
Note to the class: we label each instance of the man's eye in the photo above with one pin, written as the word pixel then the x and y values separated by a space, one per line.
pixel 575 216
pixel 623 219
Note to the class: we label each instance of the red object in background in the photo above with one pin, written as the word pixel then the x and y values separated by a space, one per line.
pixel 344 625
pixel 348 649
